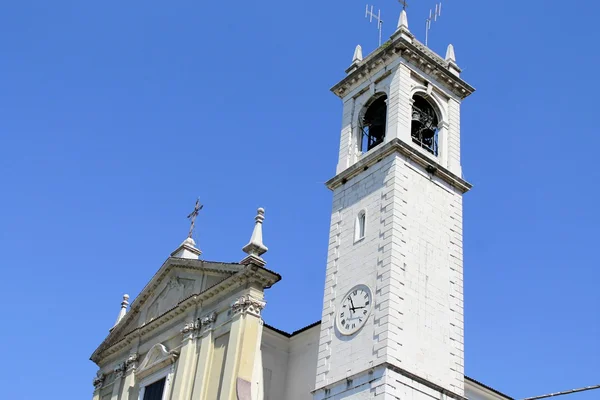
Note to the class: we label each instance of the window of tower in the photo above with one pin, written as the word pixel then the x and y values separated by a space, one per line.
pixel 373 123
pixel 361 222
pixel 424 126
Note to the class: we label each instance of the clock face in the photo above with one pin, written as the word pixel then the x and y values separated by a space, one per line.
pixel 354 310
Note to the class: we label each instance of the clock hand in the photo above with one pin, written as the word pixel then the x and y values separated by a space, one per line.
pixel 351 302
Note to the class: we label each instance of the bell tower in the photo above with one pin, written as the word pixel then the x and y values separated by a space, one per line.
pixel 392 323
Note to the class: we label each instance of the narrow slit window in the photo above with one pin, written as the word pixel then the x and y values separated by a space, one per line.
pixel 361 222
pixel 373 124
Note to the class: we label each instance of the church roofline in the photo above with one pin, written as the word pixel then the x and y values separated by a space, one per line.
pixel 491 389
pixel 412 51
pixel 294 333
pixel 235 270
pixel 317 323
pixel 396 145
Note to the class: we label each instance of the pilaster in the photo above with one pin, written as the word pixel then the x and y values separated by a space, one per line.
pixel 347 143
pixel 129 367
pixel 205 344
pixel 186 363
pixel 245 333
pixel 454 137
pixel 399 105
pixel 119 369
pixel 97 382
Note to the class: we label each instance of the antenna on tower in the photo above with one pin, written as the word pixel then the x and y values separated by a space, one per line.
pixel 433 16
pixel 369 13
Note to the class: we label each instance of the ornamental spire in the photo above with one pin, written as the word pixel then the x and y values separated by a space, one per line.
pixel 450 56
pixel 358 56
pixel 255 248
pixel 403 20
pixel 123 311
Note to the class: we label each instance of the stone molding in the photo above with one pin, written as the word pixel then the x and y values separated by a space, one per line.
pixel 413 52
pixel 248 304
pixel 398 146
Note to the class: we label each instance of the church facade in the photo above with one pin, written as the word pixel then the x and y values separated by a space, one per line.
pixel 392 322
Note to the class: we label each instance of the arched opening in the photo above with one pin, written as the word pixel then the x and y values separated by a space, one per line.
pixel 373 123
pixel 424 126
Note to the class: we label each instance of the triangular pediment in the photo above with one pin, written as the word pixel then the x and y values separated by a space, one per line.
pixel 177 280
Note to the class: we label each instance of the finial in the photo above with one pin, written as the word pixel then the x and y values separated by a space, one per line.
pixel 403 20
pixel 450 53
pixel 255 248
pixel 358 56
pixel 402 30
pixel 123 311
pixel 451 60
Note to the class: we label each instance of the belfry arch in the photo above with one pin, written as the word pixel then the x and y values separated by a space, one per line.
pixel 373 123
pixel 425 122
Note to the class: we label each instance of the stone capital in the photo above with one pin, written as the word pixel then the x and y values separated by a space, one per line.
pixel 98 380
pixel 119 369
pixel 190 328
pixel 248 304
pixel 131 362
pixel 198 327
pixel 208 322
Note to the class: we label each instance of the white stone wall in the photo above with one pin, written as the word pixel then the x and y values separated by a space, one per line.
pixel 289 364
pixel 411 257
pixel 350 263
pixel 275 349
pixel 302 365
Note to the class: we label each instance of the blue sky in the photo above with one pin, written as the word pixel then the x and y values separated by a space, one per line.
pixel 115 116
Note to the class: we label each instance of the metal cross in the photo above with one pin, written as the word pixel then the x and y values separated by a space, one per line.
pixel 193 215
pixel 404 4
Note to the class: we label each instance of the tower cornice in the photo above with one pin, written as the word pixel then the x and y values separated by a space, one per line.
pixel 413 52
pixel 398 146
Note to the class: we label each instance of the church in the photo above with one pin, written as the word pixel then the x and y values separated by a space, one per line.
pixel 392 320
